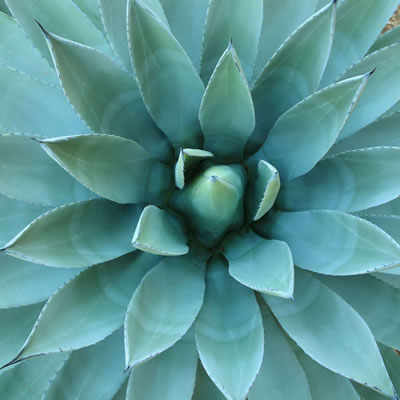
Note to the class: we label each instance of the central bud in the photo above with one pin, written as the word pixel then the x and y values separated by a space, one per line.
pixel 213 202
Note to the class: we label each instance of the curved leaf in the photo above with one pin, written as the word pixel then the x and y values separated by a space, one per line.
pixel 279 367
pixel 293 72
pixel 187 24
pixel 169 376
pixel 332 242
pixel 163 308
pixel 160 232
pixel 358 24
pixel 187 162
pixel 280 19
pixel 350 181
pixel 226 113
pixel 34 107
pixel 389 208
pixel 169 83
pixel 382 85
pixel 23 283
pixel 77 235
pixel 17 51
pixel 382 132
pixel 35 177
pixel 92 373
pixel 97 300
pixel 32 377
pixel 376 302
pixel 388 223
pixel 15 215
pixel 331 332
pixel 15 325
pixel 115 168
pixel 388 38
pixel 231 20
pixel 263 189
pixel 205 388
pixel 110 106
pixel 229 332
pixel 325 384
pixel 262 265
pixel 121 394
pixel 92 10
pixel 305 133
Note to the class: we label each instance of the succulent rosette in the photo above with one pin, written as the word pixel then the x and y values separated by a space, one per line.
pixel 199 200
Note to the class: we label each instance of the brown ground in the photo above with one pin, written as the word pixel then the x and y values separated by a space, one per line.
pixel 394 21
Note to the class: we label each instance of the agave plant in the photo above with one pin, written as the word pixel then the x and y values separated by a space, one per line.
pixel 199 200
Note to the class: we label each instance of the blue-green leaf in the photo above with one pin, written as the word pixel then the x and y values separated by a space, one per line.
pixel 305 133
pixel 92 10
pixel 382 85
pixel 97 300
pixel 229 332
pixel 110 106
pixel 187 24
pixel 389 223
pixel 331 332
pixel 279 367
pixel 226 112
pixel 205 388
pixel 35 177
pixel 231 20
pixel 293 72
pixel 163 307
pixel 390 37
pixel 117 169
pixel 160 232
pixel 169 376
pixel 332 242
pixel 390 208
pixel 358 24
pixel 78 234
pixel 168 81
pixel 23 283
pixel 350 181
pixel 262 265
pixel 121 394
pixel 96 372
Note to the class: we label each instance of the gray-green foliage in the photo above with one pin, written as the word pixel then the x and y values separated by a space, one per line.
pixel 199 200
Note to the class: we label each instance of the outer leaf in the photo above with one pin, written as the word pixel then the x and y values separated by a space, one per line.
pixel 390 208
pixel 353 180
pixel 62 18
pixel 305 133
pixel 34 107
pixel 358 24
pixel 168 81
pixel 15 215
pixel 15 324
pixel 382 85
pixel 263 189
pixel 205 388
pixel 32 377
pixel 390 37
pixel 23 283
pixel 331 333
pixel 163 308
pixel 275 89
pixel 91 9
pixel 17 51
pixel 280 19
pixel 229 333
pixel 325 384
pixel 226 112
pixel 187 162
pixel 160 232
pixel 4 8
pixel 111 106
pixel 382 132
pixel 169 376
pixel 262 265
pixel 121 394
pixel 115 168
pixel 34 177
pixel 376 302
pixel 231 20
pixel 97 300
pixel 279 367
pixel 389 223
pixel 314 238
pixel 187 24
pixel 92 373
pixel 77 235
